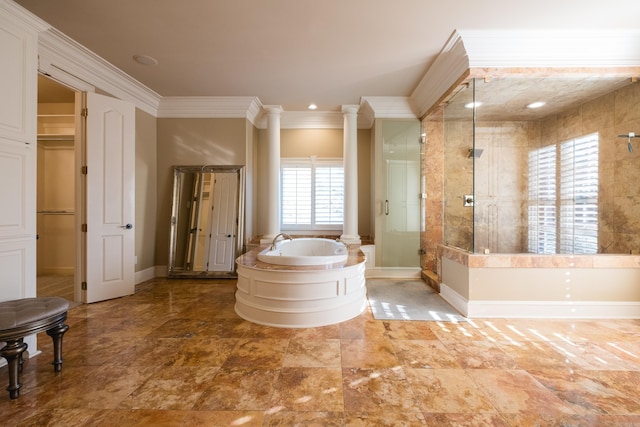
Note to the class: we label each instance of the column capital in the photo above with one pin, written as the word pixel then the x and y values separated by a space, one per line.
pixel 350 109
pixel 272 109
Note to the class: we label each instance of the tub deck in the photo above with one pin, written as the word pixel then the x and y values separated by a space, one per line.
pixel 250 260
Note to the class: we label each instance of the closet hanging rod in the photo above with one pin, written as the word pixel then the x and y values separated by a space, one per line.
pixel 57 212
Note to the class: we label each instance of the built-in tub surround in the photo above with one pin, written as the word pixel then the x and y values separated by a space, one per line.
pixel 300 296
pixel 531 285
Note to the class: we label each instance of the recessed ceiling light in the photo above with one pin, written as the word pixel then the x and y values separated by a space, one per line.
pixel 145 59
pixel 312 106
pixel 473 104
pixel 536 104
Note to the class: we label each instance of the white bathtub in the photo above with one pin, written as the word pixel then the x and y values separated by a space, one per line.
pixel 300 296
pixel 305 251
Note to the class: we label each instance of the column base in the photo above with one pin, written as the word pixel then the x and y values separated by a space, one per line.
pixel 351 239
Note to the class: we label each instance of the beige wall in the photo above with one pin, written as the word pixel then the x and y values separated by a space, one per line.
pixel 192 142
pixel 323 143
pixel 251 187
pixel 146 190
pixel 365 186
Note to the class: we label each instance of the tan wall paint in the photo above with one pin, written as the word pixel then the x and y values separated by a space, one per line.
pixel 146 190
pixel 325 143
pixel 192 142
pixel 455 276
pixel 251 179
pixel 365 186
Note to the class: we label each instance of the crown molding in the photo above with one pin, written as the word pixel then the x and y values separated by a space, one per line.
pixel 71 57
pixel 20 15
pixel 442 76
pixel 229 107
pixel 366 115
pixel 552 48
pixel 305 120
pixel 390 107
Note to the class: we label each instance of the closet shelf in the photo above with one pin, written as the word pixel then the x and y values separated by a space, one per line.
pixel 56 137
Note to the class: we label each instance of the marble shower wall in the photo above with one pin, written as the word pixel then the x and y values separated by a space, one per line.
pixel 500 180
pixel 431 174
pixel 457 182
pixel 619 172
pixel 500 187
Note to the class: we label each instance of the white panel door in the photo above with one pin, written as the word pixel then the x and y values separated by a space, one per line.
pixel 18 68
pixel 224 222
pixel 110 184
pixel 17 220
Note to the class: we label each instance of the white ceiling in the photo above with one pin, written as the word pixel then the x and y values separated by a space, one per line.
pixel 294 52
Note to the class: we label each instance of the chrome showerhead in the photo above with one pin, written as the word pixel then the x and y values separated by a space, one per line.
pixel 629 136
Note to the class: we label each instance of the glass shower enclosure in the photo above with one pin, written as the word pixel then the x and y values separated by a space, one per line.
pixel 398 193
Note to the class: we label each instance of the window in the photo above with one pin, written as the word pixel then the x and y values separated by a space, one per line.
pixel 312 192
pixel 568 186
pixel 542 200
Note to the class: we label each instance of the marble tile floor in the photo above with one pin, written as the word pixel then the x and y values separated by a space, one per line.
pixel 175 353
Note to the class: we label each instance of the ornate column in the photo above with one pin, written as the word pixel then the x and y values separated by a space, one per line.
pixel 273 173
pixel 350 154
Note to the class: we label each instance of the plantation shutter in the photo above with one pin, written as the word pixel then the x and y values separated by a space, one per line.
pixel 574 196
pixel 579 195
pixel 296 195
pixel 312 192
pixel 329 203
pixel 542 200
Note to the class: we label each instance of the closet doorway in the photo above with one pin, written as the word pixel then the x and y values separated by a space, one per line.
pixel 56 191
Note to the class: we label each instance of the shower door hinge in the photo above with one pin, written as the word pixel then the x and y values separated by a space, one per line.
pixel 84 228
pixel 84 286
pixel 84 112
pixel 84 170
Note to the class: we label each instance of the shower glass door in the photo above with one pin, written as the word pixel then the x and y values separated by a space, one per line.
pixel 401 192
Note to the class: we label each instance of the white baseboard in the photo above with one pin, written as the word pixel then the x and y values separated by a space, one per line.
pixel 456 300
pixel 144 275
pixel 541 309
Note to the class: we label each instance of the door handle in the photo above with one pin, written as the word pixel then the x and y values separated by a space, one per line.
pixel 386 207
pixel 128 226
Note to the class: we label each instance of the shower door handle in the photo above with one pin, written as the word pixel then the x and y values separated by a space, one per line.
pixel 386 207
